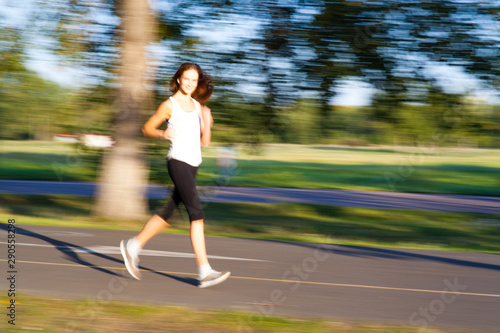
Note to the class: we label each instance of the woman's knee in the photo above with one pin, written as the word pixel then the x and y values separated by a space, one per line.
pixel 196 212
pixel 197 222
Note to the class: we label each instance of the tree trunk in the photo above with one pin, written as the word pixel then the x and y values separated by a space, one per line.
pixel 124 173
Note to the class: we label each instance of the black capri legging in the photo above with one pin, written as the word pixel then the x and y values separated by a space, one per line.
pixel 183 175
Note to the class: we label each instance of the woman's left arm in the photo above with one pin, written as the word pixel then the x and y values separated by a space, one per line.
pixel 206 126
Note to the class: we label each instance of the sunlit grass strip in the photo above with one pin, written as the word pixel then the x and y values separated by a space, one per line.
pixel 60 315
pixel 287 222
pixel 401 169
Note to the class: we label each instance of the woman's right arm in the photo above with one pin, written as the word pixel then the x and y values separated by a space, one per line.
pixel 150 128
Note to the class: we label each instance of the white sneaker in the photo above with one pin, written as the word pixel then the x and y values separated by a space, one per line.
pixel 213 278
pixel 131 262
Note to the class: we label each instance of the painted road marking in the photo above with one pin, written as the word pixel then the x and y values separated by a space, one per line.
pixel 330 284
pixel 101 249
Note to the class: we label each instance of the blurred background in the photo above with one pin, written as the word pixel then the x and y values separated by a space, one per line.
pixel 340 88
pixel 399 96
pixel 307 72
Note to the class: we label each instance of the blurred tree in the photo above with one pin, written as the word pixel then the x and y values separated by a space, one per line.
pixel 275 65
pixel 123 179
pixel 12 72
pixel 403 46
pixel 29 105
pixel 282 51
pixel 394 45
pixel 11 51
pixel 331 35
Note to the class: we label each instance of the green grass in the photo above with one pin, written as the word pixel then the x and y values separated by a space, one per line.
pixel 63 315
pixel 42 160
pixel 437 171
pixel 290 222
pixel 401 169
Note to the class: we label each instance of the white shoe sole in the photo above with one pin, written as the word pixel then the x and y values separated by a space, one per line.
pixel 214 282
pixel 126 261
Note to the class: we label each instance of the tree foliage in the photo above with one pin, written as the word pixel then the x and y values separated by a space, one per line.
pixel 267 57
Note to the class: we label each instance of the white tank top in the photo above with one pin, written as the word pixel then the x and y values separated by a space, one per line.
pixel 185 145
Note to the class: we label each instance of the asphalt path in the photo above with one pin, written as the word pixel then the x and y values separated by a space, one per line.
pixel 345 198
pixel 398 286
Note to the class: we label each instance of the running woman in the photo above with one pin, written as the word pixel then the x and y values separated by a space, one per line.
pixel 189 128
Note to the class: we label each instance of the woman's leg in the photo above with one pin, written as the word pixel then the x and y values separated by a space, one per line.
pixel 131 248
pixel 207 276
pixel 198 242
pixel 150 229
pixel 184 176
pixel 158 221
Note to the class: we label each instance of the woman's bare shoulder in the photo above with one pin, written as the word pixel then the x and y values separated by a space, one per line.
pixel 165 108
pixel 166 103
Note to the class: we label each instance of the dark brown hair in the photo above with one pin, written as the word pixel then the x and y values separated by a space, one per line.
pixel 205 86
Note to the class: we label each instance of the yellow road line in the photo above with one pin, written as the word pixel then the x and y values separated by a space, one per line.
pixel 367 286
pixel 331 284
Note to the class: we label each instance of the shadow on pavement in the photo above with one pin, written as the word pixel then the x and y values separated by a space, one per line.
pixel 68 250
pixel 184 279
pixel 393 254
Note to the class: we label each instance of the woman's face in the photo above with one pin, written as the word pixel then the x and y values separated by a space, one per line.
pixel 188 81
